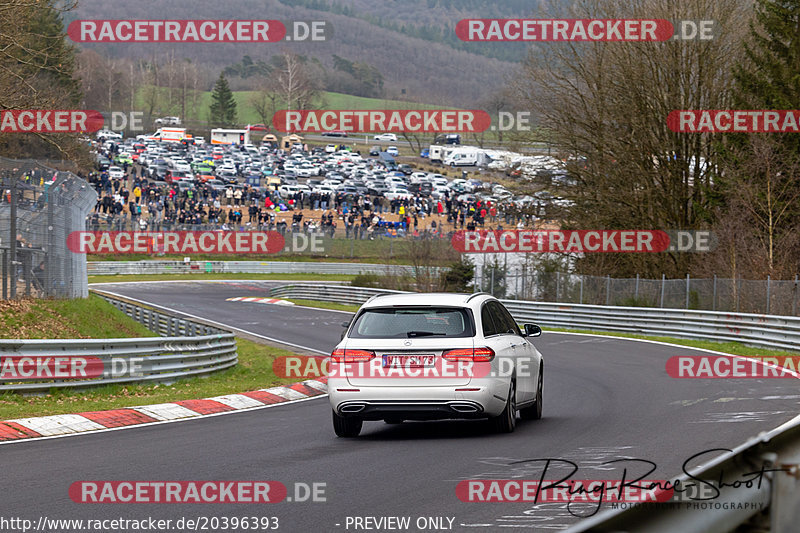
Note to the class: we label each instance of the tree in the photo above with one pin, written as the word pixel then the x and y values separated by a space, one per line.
pixel 223 106
pixel 297 88
pixel 761 170
pixel 266 100
pixel 458 277
pixel 37 70
pixel 604 105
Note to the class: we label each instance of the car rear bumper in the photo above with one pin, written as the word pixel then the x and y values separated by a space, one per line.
pixel 411 410
pixel 418 403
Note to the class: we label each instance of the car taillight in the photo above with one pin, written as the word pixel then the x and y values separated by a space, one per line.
pixel 340 355
pixel 476 355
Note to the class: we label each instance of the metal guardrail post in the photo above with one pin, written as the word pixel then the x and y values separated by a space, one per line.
pixel 768 287
pixel 558 286
pixel 738 284
pixel 714 297
pixel 12 243
pixel 687 291
pixel 5 275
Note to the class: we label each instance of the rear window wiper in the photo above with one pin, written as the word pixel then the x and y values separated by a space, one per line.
pixel 423 333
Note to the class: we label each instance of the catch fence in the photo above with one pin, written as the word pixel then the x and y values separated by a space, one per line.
pixel 39 208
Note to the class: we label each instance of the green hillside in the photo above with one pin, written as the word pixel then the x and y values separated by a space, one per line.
pixel 247 115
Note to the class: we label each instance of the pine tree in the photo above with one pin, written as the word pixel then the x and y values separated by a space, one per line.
pixel 50 53
pixel 770 78
pixel 759 183
pixel 38 67
pixel 223 106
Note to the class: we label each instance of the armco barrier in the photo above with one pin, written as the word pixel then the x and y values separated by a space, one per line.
pixel 761 331
pixel 185 349
pixel 343 294
pixel 107 268
pixel 737 502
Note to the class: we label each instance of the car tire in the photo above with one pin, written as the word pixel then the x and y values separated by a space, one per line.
pixel 534 412
pixel 506 421
pixel 346 427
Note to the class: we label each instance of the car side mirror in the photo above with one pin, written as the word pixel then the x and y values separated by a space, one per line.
pixel 532 330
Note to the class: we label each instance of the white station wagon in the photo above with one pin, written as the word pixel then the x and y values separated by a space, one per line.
pixel 434 356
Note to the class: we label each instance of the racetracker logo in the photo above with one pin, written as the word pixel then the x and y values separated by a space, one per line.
pixel 386 120
pixel 175 242
pixel 365 364
pixel 50 121
pixel 544 241
pixel 564 30
pixel 455 363
pixel 176 31
pixel 728 121
pixel 729 366
pixel 566 491
pixel 582 241
pixel 177 492
pixel 44 367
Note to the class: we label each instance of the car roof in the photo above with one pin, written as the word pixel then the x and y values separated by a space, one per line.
pixel 447 299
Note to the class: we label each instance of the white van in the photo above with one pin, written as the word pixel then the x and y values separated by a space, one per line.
pixel 459 158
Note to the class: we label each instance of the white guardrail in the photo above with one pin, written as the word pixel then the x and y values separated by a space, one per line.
pixel 738 501
pixel 185 348
pixel 110 268
pixel 761 331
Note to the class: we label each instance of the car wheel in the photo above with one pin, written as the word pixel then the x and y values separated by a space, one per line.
pixel 534 412
pixel 506 421
pixel 346 427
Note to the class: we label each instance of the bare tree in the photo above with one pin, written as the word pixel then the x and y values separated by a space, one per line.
pixel 606 104
pixel 297 88
pixel 761 197
pixel 266 100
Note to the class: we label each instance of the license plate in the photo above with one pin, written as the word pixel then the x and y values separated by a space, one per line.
pixel 408 361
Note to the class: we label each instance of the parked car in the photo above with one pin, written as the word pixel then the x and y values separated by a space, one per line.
pixel 393 151
pixel 116 173
pixel 434 331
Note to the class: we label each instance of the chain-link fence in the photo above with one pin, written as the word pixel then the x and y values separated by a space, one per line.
pixel 526 282
pixel 39 208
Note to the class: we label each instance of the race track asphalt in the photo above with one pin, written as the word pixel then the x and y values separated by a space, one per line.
pixel 605 398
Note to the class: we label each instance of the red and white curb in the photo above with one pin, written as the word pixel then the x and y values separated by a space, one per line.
pixel 259 300
pixel 59 425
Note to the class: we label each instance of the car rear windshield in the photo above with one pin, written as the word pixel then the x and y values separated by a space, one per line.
pixel 410 322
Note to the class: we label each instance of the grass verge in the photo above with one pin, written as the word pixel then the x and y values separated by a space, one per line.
pixel 220 276
pixel 254 371
pixel 325 305
pixel 89 318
